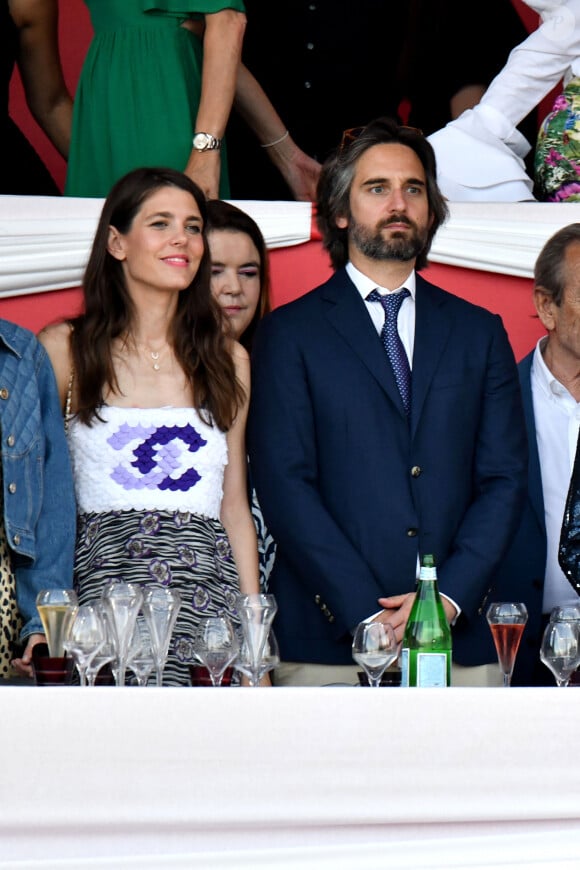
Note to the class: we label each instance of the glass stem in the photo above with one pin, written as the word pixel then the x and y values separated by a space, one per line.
pixel 121 674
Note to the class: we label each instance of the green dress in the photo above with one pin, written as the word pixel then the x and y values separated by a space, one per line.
pixel 138 92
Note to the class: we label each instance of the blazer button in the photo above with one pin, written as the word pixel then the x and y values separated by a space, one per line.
pixel 317 599
pixel 415 471
pixel 411 533
pixel 16 539
pixel 4 393
pixel 537 584
pixel 12 488
pixel 11 440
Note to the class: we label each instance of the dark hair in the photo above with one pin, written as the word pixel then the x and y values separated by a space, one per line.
pixel 335 182
pixel 550 269
pixel 223 215
pixel 197 335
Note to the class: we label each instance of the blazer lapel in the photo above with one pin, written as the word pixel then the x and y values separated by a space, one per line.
pixel 431 335
pixel 347 314
pixel 535 492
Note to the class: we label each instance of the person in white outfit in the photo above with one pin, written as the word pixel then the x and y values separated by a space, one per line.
pixel 480 155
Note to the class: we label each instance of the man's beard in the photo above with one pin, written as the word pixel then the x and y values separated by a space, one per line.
pixel 374 246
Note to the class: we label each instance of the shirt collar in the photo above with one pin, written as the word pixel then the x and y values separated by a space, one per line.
pixel 8 334
pixel 366 285
pixel 545 380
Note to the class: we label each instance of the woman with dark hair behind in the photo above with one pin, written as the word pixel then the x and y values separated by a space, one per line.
pixel 156 399
pixel 240 282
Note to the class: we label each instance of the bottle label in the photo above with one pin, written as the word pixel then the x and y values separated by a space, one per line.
pixel 405 667
pixel 431 670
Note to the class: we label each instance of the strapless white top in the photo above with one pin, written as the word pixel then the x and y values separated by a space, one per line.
pixel 148 459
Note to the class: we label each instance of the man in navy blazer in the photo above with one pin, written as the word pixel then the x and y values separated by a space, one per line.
pixel 550 383
pixel 354 488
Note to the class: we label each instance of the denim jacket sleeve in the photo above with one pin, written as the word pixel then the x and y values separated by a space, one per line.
pixel 38 493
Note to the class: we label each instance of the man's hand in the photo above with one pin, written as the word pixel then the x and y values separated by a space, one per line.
pixel 398 607
pixel 396 611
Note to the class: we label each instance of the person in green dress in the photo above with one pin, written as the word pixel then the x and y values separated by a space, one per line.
pixel 155 74
pixel 156 89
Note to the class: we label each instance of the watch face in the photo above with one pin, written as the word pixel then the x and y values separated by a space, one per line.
pixel 201 141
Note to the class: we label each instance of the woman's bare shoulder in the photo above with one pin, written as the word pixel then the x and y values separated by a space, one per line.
pixel 55 335
pixel 56 340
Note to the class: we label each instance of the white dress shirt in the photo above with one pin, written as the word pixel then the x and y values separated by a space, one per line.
pixel 406 318
pixel 557 420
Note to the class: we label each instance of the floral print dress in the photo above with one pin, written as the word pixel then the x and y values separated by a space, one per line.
pixel 557 156
pixel 149 485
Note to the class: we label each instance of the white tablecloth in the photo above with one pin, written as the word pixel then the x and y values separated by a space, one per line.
pixel 289 778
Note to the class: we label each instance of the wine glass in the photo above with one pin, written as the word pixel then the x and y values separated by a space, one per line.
pixel 374 648
pixel 57 609
pixel 256 612
pixel 86 637
pixel 560 649
pixel 160 608
pixel 140 657
pixel 253 669
pixel 507 620
pixel 216 645
pixel 122 601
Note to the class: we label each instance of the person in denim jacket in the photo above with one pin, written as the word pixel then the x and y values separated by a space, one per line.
pixel 38 515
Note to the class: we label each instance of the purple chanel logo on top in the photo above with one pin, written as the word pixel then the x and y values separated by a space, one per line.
pixel 158 455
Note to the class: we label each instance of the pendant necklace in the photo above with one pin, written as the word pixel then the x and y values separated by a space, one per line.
pixel 155 356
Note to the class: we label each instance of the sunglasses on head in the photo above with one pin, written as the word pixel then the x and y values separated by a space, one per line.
pixel 350 135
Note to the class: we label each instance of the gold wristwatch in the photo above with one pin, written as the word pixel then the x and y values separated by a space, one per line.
pixel 206 142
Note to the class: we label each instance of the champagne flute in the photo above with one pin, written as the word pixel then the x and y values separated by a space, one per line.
pixel 107 653
pixel 86 637
pixel 507 620
pixel 160 608
pixel 57 609
pixel 560 649
pixel 256 612
pixel 374 648
pixel 216 645
pixel 122 601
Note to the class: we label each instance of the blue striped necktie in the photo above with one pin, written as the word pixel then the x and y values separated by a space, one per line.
pixel 392 343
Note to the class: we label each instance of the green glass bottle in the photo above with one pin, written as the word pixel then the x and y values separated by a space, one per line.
pixel 426 649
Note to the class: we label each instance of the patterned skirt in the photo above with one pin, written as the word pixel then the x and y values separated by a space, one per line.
pixel 557 156
pixel 189 553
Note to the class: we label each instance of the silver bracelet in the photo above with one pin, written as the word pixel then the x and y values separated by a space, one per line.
pixel 276 141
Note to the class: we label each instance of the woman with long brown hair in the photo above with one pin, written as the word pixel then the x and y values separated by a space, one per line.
pixel 156 397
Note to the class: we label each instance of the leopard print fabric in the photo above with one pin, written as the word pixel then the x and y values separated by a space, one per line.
pixel 10 621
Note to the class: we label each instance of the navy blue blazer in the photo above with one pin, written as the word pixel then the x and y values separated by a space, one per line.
pixel 352 491
pixel 521 573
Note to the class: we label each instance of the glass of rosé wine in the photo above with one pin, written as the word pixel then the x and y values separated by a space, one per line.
pixel 507 620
